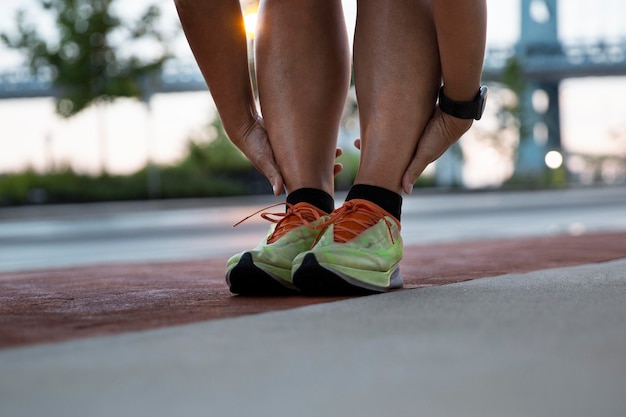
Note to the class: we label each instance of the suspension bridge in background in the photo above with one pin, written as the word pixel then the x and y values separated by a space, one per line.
pixel 543 60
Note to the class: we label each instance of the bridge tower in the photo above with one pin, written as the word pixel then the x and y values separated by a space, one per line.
pixel 540 100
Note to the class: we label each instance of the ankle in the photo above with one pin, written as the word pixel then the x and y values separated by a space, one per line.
pixel 318 198
pixel 388 200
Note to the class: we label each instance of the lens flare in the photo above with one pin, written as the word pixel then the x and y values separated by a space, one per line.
pixel 249 21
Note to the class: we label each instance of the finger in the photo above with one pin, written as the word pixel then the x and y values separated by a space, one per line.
pixel 269 168
pixel 357 143
pixel 440 133
pixel 337 168
pixel 272 173
pixel 415 169
pixel 277 185
pixel 338 152
pixel 421 158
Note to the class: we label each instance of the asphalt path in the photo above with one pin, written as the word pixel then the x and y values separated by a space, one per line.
pixel 545 343
pixel 57 236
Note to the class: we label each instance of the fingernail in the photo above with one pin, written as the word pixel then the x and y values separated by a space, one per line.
pixel 277 189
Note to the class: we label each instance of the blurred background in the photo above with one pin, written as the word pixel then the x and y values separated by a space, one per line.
pixel 102 101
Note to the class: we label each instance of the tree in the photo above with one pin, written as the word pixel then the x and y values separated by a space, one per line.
pixel 91 56
pixel 215 153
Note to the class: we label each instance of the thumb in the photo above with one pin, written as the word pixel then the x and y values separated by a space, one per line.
pixel 277 184
pixel 412 173
pixel 265 163
pixel 270 169
pixel 441 132
pixel 420 160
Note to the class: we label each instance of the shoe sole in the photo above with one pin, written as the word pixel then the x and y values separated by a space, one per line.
pixel 248 279
pixel 313 279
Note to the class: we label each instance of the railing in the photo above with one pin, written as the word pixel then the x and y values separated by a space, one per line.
pixel 556 61
pixel 175 76
pixel 23 82
pixel 539 61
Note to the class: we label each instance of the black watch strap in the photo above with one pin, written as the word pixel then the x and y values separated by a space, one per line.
pixel 464 109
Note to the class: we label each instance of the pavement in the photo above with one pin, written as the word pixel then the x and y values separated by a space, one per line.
pixel 515 308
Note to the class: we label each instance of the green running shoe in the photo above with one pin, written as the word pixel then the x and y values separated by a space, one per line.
pixel 266 269
pixel 358 253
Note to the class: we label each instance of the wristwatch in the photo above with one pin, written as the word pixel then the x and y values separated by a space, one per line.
pixel 464 109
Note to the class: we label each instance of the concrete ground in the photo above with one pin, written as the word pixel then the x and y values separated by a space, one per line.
pixel 547 342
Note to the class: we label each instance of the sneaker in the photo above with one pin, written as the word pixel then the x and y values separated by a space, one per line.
pixel 266 269
pixel 358 253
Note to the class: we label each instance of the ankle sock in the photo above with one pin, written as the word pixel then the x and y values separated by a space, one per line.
pixel 386 199
pixel 320 199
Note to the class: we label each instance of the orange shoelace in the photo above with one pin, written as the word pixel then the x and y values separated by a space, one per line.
pixel 295 216
pixel 355 216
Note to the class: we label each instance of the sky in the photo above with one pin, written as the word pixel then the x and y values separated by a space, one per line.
pixel 133 135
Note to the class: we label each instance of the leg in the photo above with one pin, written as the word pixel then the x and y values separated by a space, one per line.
pixel 303 70
pixel 397 76
pixel 303 75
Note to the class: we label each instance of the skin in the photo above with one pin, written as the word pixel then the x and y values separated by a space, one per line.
pixel 402 52
pixel 461 27
pixel 396 69
pixel 303 73
pixel 216 35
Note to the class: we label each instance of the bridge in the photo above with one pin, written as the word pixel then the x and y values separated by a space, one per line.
pixel 176 76
pixel 543 58
pixel 555 61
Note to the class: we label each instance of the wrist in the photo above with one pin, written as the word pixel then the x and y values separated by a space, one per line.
pixel 453 127
pixel 237 128
pixel 467 109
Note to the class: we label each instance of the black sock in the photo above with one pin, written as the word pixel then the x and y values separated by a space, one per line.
pixel 320 199
pixel 386 199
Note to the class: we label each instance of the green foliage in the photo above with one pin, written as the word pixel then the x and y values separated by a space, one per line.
pixel 65 186
pixel 69 187
pixel 186 182
pixel 210 169
pixel 217 153
pixel 550 178
pixel 514 79
pixel 86 63
pixel 215 168
pixel 216 157
pixel 350 162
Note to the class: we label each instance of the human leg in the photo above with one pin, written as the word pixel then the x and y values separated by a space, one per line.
pixel 303 70
pixel 397 77
pixel 303 75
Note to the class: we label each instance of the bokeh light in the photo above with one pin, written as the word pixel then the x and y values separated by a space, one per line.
pixel 554 160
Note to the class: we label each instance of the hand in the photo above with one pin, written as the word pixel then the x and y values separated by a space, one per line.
pixel 441 132
pixel 338 167
pixel 254 143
